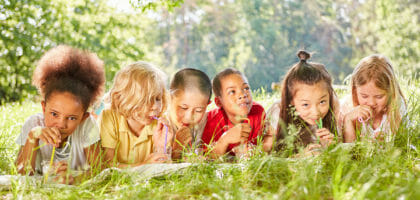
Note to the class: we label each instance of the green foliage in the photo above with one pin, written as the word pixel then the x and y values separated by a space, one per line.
pixel 29 28
pixel 259 37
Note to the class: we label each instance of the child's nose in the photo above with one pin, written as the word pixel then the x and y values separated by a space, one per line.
pixel 316 111
pixel 156 105
pixel 61 123
pixel 371 102
pixel 242 94
pixel 188 117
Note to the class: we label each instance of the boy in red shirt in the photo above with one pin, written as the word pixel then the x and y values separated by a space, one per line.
pixel 237 120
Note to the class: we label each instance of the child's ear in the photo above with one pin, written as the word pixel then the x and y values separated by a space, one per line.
pixel 85 116
pixel 217 101
pixel 43 106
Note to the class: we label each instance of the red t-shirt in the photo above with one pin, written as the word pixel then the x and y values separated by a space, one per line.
pixel 218 123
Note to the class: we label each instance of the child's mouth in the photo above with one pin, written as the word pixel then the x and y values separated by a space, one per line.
pixel 244 105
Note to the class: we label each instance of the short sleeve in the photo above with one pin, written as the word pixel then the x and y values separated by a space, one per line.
pixel 31 122
pixel 90 132
pixel 107 124
pixel 273 116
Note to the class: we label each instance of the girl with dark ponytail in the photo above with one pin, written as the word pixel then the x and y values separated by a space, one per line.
pixel 308 102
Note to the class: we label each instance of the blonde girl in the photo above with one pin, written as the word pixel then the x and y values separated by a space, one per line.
pixel 378 105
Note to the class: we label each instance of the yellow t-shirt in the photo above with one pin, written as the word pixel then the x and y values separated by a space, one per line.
pixel 115 134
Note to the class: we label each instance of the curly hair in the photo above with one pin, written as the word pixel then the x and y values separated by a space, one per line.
pixel 66 69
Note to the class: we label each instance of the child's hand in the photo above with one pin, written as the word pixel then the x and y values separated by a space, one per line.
pixel 361 111
pixel 325 136
pixel 156 158
pixel 46 134
pixel 312 150
pixel 182 139
pixel 61 169
pixel 159 134
pixel 237 134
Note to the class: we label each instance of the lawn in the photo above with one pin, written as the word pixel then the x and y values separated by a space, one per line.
pixel 361 171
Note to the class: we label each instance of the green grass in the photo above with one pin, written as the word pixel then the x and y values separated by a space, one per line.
pixel 361 171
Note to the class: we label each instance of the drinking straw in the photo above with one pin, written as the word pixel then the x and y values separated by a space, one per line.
pixel 319 123
pixel 51 163
pixel 166 133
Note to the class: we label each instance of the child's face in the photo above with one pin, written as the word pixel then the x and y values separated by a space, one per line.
pixel 148 116
pixel 64 111
pixel 372 96
pixel 235 98
pixel 312 102
pixel 188 107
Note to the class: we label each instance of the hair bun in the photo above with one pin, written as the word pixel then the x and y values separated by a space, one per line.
pixel 303 55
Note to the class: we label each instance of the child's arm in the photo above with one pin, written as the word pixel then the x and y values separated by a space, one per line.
pixel 27 154
pixel 268 139
pixel 238 134
pixel 152 158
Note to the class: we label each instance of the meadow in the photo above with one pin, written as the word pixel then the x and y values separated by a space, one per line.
pixel 364 170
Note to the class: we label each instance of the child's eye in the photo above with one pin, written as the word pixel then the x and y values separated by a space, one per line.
pixel 305 105
pixel 364 96
pixel 72 118
pixel 246 88
pixel 183 108
pixel 323 102
pixel 199 111
pixel 54 114
pixel 379 96
pixel 230 92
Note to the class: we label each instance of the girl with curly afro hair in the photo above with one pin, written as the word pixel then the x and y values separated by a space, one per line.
pixel 69 81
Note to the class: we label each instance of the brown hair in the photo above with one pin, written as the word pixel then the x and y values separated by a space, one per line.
pixel 190 78
pixel 377 68
pixel 66 69
pixel 217 84
pixel 307 73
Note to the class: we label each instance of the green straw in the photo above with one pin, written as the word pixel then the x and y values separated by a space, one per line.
pixel 319 123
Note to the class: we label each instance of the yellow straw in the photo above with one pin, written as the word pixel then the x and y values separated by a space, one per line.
pixel 51 162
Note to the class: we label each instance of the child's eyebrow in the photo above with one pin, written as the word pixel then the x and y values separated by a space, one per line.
pixel 231 87
pixel 54 110
pixel 323 96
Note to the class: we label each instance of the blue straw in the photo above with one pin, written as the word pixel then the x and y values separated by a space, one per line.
pixel 166 134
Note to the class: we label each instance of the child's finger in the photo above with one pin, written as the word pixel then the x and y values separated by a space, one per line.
pixel 54 133
pixel 367 110
pixel 47 139
pixel 246 128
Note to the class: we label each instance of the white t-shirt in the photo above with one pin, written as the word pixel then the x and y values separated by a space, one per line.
pixel 86 134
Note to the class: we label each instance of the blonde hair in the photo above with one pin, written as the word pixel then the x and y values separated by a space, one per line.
pixel 377 68
pixel 136 88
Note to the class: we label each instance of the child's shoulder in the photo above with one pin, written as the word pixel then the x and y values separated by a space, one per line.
pixel 214 114
pixel 36 119
pixel 256 109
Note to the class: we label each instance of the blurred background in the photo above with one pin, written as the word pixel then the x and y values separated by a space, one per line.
pixel 258 37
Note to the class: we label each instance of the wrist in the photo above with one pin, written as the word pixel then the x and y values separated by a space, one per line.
pixel 32 138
